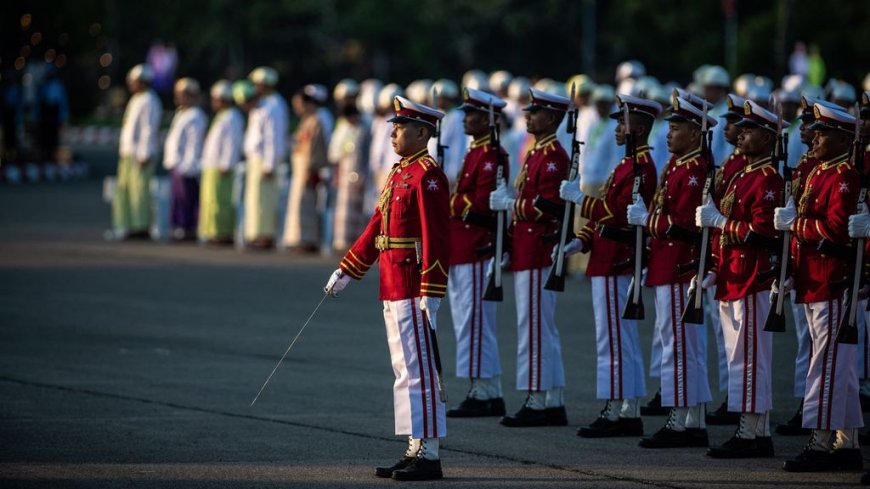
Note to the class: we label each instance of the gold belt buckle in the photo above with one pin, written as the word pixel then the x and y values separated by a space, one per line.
pixel 381 242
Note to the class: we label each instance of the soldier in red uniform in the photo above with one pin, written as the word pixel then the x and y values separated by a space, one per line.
pixel 863 337
pixel 794 426
pixel 671 223
pixel 859 227
pixel 472 228
pixel 610 241
pixel 724 174
pixel 407 235
pixel 819 224
pixel 744 218
pixel 536 211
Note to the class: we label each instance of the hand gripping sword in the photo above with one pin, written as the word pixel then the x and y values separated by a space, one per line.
pixel 694 311
pixel 775 321
pixel 556 277
pixel 634 305
pixel 494 291
pixel 848 330
pixel 436 352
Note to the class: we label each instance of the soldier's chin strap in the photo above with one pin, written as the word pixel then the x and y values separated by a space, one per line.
pixel 325 295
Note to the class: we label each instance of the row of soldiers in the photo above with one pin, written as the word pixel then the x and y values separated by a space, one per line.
pixel 339 164
pixel 647 224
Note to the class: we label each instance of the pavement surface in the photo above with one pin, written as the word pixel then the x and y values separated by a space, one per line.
pixel 134 364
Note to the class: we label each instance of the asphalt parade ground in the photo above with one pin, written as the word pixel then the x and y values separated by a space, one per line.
pixel 133 365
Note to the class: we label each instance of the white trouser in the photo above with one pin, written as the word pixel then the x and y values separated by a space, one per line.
pixel 831 399
pixel 683 368
pixel 711 316
pixel 804 347
pixel 539 349
pixel 417 404
pixel 620 362
pixel 750 351
pixel 473 321
pixel 655 356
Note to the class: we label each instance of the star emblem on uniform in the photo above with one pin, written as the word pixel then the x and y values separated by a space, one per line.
pixel 487 166
pixel 551 167
pixel 433 185
pixel 769 195
pixel 844 187
pixel 693 181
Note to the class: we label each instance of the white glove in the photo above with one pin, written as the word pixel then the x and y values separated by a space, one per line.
pixel 859 225
pixel 637 213
pixel 709 280
pixel 789 285
pixel 783 217
pixel 708 216
pixel 693 284
pixel 430 305
pixel 505 260
pixel 500 199
pixel 570 191
pixel 337 282
pixel 571 248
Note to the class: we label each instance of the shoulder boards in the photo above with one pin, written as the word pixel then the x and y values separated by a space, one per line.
pixel 426 162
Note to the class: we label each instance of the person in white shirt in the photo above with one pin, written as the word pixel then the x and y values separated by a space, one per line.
pixel 715 81
pixel 264 150
pixel 220 155
pixel 302 229
pixel 348 153
pixel 131 205
pixel 265 80
pixel 453 136
pixel 181 156
pixel 599 156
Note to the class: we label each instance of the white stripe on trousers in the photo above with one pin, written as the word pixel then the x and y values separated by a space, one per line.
pixel 831 399
pixel 539 349
pixel 418 409
pixel 473 321
pixel 750 351
pixel 683 368
pixel 804 347
pixel 620 362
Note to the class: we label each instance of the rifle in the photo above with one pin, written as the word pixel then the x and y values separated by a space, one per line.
pixel 556 277
pixel 493 290
pixel 439 148
pixel 775 321
pixel 634 305
pixel 694 311
pixel 848 330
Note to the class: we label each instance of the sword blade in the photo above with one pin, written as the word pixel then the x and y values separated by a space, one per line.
pixel 325 295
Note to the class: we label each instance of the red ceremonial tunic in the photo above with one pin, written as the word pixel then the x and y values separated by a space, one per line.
pixel 827 200
pixel 748 204
pixel 798 182
pixel 609 214
pixel 671 222
pixel 724 175
pixel 545 167
pixel 412 213
pixel 474 183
